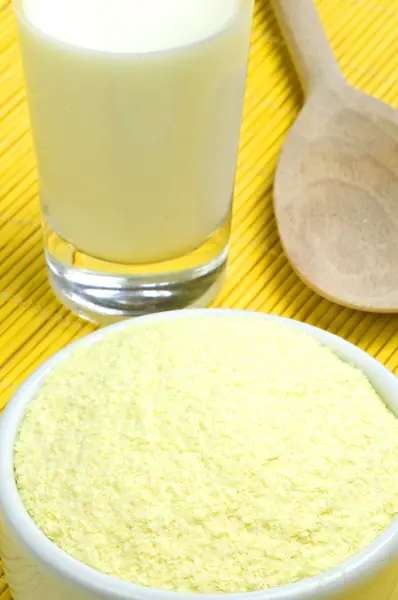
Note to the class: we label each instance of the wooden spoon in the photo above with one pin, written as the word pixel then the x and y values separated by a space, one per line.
pixel 336 185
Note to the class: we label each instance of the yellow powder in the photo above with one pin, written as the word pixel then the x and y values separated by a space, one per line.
pixel 208 455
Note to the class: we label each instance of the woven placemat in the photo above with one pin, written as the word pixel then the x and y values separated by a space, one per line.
pixel 34 325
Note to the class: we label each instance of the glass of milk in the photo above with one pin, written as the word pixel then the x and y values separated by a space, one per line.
pixel 135 108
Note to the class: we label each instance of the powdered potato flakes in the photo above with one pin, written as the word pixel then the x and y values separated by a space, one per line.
pixel 208 455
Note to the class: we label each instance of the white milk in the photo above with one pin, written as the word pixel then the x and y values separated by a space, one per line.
pixel 135 108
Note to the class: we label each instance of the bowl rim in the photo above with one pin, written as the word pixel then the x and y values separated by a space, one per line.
pixel 68 569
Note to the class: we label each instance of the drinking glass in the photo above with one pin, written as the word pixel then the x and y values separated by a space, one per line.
pixel 136 153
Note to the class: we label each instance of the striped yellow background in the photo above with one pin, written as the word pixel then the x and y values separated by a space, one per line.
pixel 33 324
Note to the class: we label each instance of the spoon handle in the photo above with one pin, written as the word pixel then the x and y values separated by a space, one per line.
pixel 308 44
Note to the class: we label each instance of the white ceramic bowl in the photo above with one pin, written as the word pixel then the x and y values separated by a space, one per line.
pixel 38 570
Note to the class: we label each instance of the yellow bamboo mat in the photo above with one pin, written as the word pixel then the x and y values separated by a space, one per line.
pixel 33 324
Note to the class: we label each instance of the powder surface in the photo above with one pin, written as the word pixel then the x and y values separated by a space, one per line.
pixel 208 455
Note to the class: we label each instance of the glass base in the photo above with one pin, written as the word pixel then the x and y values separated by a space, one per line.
pixel 105 292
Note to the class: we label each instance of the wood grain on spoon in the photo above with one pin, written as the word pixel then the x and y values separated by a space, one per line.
pixel 336 185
